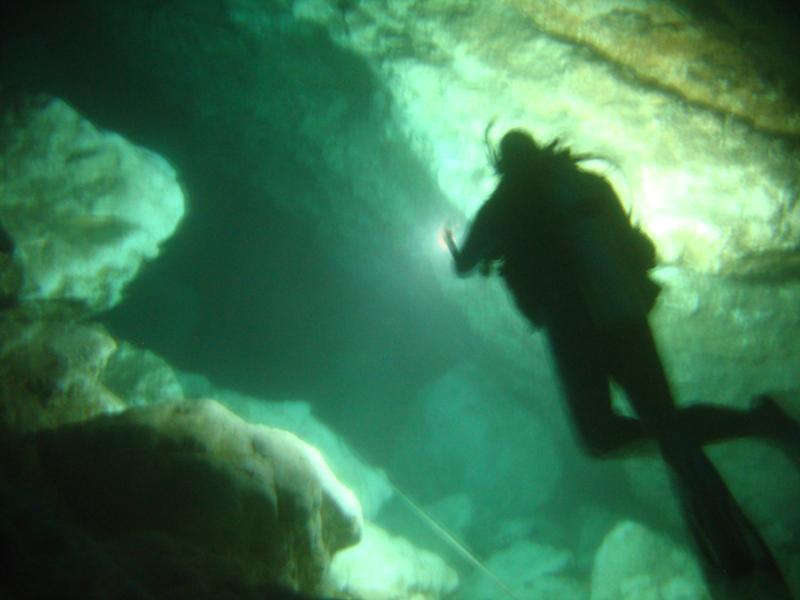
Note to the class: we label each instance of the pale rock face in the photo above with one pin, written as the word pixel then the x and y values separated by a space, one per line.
pixel 635 563
pixel 385 567
pixel 140 377
pixel 196 473
pixel 84 207
pixel 370 484
pixel 666 45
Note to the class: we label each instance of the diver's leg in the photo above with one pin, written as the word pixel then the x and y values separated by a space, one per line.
pixel 732 547
pixel 774 423
pixel 710 423
pixel 637 366
pixel 580 361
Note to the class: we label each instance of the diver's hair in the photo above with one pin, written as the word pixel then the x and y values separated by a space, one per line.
pixel 517 150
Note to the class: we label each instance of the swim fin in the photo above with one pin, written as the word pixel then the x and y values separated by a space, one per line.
pixel 738 563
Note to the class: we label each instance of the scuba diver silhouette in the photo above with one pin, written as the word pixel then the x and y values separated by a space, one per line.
pixel 578 269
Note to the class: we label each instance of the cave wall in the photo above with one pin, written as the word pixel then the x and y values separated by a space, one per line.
pixel 327 142
pixel 692 112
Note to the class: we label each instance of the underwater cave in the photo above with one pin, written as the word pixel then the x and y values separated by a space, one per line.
pixel 236 360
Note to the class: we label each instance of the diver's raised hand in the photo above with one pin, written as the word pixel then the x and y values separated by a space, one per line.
pixel 449 240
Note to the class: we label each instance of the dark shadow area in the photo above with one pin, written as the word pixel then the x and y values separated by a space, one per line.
pixel 48 555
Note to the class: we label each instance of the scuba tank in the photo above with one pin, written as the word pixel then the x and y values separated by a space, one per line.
pixel 609 284
pixel 610 257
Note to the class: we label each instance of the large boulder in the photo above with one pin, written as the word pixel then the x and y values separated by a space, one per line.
pixel 197 474
pixel 141 378
pixel 85 208
pixel 634 563
pixel 369 483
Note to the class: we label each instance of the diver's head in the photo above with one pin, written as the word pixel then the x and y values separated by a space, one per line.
pixel 516 152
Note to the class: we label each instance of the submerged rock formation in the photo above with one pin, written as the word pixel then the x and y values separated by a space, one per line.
pixel 710 54
pixel 142 378
pixel 386 567
pixel 371 485
pixel 691 113
pixel 198 474
pixel 634 563
pixel 85 208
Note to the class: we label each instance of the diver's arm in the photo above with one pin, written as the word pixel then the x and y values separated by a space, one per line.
pixel 462 267
pixel 481 243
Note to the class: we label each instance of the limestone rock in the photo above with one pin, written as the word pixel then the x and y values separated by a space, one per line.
pixel 704 60
pixel 50 373
pixel 140 377
pixel 85 208
pixel 369 483
pixel 634 563
pixel 384 567
pixel 199 475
